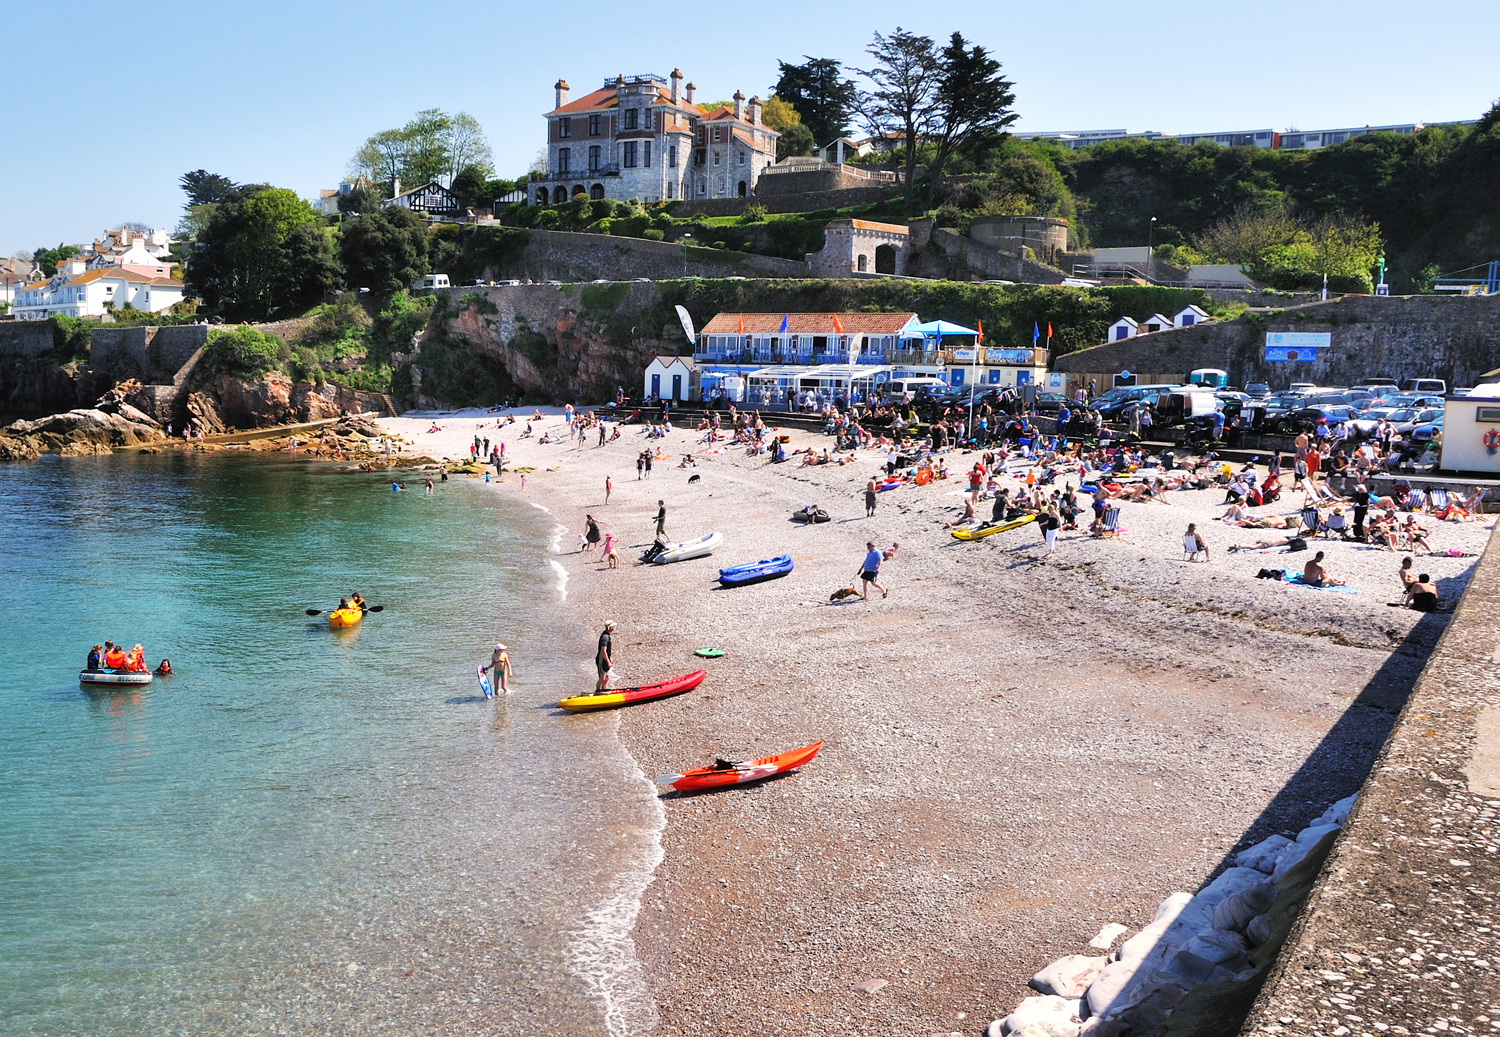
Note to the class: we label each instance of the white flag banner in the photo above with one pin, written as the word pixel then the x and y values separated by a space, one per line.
pixel 687 324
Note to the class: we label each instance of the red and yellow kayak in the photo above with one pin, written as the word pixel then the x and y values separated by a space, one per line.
pixel 740 773
pixel 630 696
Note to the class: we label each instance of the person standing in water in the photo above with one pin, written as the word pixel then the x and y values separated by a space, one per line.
pixel 604 657
pixel 499 669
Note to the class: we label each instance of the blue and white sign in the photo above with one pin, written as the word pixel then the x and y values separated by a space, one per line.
pixel 1294 346
pixel 964 356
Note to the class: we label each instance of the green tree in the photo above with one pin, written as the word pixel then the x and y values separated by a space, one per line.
pixel 48 258
pixel 796 139
pixel 471 185
pixel 307 266
pixel 239 264
pixel 384 251
pixel 779 114
pixel 205 188
pixel 973 104
pixel 820 93
pixel 243 351
pixel 904 96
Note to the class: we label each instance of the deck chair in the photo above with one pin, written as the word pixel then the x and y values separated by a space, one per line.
pixel 1311 523
pixel 1111 524
pixel 1337 525
pixel 1190 548
pixel 1437 500
pixel 1416 500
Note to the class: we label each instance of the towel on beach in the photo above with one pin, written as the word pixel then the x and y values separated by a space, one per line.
pixel 1313 587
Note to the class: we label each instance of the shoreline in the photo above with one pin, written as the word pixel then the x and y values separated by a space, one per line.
pixel 1018 751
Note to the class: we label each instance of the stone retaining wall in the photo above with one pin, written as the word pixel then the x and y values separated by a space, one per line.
pixel 807 201
pixel 569 257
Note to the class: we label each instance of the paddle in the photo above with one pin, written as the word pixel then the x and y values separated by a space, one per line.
pixel 319 612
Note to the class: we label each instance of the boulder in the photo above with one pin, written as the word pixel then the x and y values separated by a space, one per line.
pixel 1068 976
pixel 19 448
pixel 1337 813
pixel 1264 854
pixel 1105 990
pixel 1056 1016
pixel 1307 841
pixel 1258 931
pixel 1107 936
pixel 1235 912
pixel 1196 962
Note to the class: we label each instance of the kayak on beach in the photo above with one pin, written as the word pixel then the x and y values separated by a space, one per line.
pixel 756 572
pixel 724 773
pixel 975 532
pixel 630 696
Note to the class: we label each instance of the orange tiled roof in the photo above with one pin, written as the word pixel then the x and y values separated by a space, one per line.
pixel 90 276
pixel 605 98
pixel 808 323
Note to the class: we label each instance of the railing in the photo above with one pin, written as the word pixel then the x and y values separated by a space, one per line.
pixel 613 169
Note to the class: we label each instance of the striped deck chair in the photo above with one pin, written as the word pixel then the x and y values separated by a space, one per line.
pixel 1437 500
pixel 1310 521
pixel 1111 525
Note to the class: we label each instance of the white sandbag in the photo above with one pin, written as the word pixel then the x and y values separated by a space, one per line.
pixel 1264 854
pixel 1068 976
pixel 1307 841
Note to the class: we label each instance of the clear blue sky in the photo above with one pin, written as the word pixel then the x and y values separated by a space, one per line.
pixel 108 108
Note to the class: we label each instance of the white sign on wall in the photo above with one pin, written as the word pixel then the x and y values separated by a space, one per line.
pixel 1299 339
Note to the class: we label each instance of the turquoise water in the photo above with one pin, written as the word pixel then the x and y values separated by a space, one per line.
pixel 304 831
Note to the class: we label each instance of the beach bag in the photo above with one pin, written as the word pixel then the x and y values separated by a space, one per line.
pixel 1296 544
pixel 1270 574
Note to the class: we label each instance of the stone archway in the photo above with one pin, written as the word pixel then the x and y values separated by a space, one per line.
pixel 559 195
pixel 541 196
pixel 596 192
pixel 885 259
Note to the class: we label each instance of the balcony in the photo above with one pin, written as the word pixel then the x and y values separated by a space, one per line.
pixel 612 169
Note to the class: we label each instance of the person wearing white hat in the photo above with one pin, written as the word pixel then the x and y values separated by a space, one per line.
pixel 604 656
pixel 500 667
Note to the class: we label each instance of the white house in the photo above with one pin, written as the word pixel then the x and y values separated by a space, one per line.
pixel 1189 316
pixel 1154 323
pixel 1124 328
pixel 14 275
pixel 77 291
pixel 671 378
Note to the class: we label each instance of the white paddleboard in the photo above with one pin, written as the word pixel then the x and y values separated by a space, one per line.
pixel 484 682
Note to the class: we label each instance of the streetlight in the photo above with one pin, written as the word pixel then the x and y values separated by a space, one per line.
pixel 685 239
pixel 1150 240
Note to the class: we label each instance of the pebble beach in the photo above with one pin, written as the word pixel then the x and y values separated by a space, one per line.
pixel 1019 749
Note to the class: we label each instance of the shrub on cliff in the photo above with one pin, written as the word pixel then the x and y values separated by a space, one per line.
pixel 243 352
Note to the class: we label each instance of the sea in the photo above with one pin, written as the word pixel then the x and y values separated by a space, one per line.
pixel 303 830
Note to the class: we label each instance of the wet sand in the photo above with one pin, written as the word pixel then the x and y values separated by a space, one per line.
pixel 1018 750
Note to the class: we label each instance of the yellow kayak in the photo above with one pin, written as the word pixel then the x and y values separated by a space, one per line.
pixel 976 532
pixel 340 618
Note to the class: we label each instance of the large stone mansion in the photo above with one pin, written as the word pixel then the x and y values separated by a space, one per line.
pixel 643 137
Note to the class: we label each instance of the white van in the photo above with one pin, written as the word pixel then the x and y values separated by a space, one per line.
pixel 1425 386
pixel 435 281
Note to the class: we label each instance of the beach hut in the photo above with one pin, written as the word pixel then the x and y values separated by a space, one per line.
pixel 1154 323
pixel 1124 328
pixel 1189 316
pixel 671 378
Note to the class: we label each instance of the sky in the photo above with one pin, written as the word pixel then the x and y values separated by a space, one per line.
pixel 109 109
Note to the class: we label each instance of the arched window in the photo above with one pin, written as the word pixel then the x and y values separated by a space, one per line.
pixel 560 195
pixel 596 192
pixel 541 196
pixel 885 259
pixel 743 189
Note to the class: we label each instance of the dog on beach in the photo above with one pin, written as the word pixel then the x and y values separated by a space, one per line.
pixel 841 594
pixel 694 478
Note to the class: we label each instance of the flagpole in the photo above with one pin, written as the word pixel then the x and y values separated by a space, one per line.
pixel 973 373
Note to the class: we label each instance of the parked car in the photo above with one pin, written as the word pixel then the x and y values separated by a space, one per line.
pixel 1421 417
pixel 1425 385
pixel 1306 417
pixel 1257 390
pixel 1113 402
pixel 1424 432
pixel 1051 402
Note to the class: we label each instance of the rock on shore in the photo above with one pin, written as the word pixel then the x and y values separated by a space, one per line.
pixel 91 430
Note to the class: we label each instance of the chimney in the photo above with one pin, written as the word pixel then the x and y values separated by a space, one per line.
pixel 690 89
pixel 561 87
pixel 739 104
pixel 676 78
pixel 396 188
pixel 755 111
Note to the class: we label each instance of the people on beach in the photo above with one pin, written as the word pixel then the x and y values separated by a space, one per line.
pixel 591 537
pixel 661 518
pixel 1050 522
pixel 611 556
pixel 604 657
pixel 869 570
pixel 608 487
pixel 1422 595
pixel 870 498
pixel 499 668
pixel 1194 544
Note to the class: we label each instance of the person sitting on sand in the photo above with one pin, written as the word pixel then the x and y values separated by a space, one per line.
pixel 1315 575
pixel 967 518
pixel 1194 544
pixel 1406 574
pixel 1236 514
pixel 1422 595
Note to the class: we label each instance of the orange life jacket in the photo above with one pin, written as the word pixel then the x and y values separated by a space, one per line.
pixel 114 659
pixel 135 662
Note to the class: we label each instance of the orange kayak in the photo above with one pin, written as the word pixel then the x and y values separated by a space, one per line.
pixel 740 773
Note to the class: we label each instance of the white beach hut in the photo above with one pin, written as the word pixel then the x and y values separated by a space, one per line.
pixel 671 378
pixel 1189 316
pixel 1124 328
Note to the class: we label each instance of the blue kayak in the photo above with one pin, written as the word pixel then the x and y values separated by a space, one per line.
pixel 755 572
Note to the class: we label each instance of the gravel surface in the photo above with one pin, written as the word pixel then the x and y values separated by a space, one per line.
pixel 1018 750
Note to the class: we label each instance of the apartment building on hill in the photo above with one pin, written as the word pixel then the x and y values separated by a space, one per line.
pixel 644 137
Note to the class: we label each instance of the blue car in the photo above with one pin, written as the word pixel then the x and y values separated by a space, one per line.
pixel 1423 433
